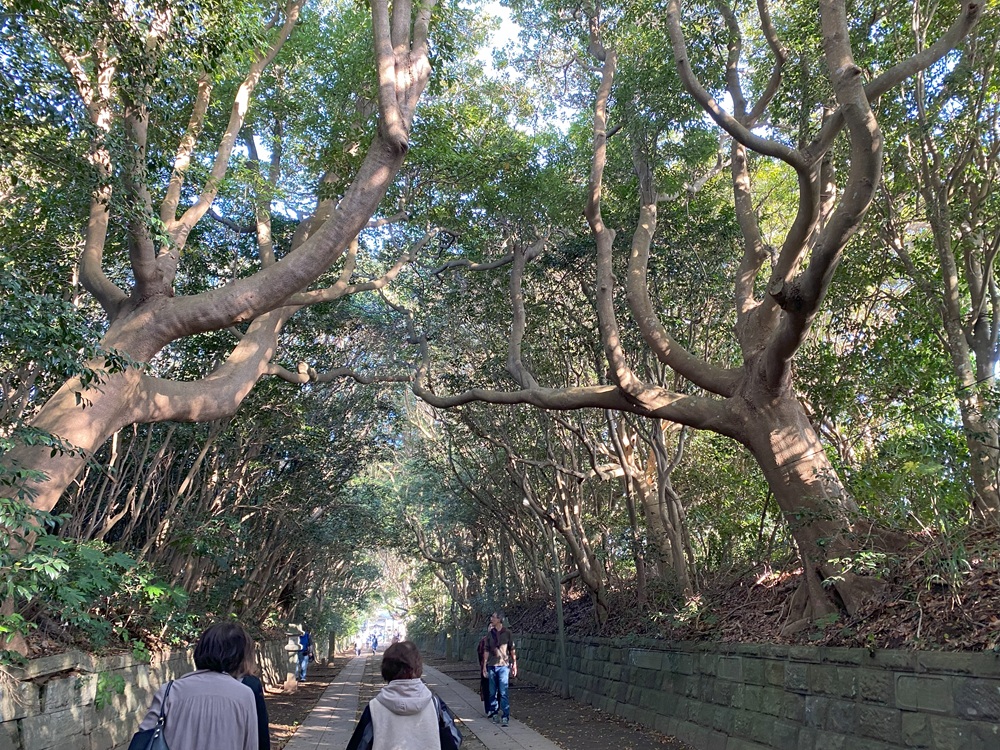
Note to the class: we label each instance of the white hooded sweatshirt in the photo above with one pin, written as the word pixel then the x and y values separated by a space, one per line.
pixel 404 717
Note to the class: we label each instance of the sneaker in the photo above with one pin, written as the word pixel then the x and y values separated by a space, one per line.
pixel 505 721
pixel 495 718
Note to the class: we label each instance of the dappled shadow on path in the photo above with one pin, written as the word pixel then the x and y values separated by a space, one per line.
pixel 287 711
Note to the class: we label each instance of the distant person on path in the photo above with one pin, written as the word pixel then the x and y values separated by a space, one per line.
pixel 359 643
pixel 484 681
pixel 405 715
pixel 500 666
pixel 210 708
pixel 248 677
pixel 305 651
pixel 374 643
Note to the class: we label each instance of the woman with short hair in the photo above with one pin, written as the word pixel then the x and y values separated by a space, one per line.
pixel 406 714
pixel 210 708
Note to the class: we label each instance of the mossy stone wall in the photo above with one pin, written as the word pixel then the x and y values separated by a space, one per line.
pixel 77 701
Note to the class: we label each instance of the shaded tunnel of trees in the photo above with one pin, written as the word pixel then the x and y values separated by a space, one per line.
pixel 311 307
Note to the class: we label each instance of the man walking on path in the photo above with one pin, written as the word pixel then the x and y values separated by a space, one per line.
pixel 305 651
pixel 499 667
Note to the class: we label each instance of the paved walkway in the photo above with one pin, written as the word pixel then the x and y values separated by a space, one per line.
pixel 330 725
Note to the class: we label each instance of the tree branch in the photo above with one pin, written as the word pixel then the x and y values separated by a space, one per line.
pixel 182 159
pixel 656 336
pixel 179 229
pixel 800 301
pixel 230 224
pixel 780 56
pixel 343 287
pixel 142 253
pixel 262 203
pixel 245 298
pixel 722 118
pixel 96 98
pixel 305 373
pixel 220 393
pixel 966 21
pixel 515 366
pixel 392 128
pixel 694 411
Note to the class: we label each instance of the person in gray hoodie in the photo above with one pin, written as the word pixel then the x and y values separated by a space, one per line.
pixel 406 714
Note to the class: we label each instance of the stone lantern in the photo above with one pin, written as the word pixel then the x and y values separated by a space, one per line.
pixel 292 647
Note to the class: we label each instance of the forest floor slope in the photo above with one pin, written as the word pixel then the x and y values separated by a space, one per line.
pixel 944 597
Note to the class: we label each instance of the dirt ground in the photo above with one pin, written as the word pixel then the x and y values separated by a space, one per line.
pixel 569 724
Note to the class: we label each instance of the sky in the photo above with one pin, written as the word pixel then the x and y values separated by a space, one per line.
pixel 507 31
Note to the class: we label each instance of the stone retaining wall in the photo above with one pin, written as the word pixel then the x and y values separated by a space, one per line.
pixel 71 701
pixel 719 696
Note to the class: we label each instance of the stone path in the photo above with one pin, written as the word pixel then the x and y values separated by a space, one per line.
pixel 331 724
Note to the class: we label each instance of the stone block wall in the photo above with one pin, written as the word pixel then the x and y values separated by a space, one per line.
pixel 719 696
pixel 53 701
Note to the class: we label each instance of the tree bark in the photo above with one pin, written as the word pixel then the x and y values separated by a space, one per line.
pixel 822 519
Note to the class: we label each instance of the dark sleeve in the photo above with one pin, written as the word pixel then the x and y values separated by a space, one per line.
pixel 451 738
pixel 511 650
pixel 263 724
pixel 362 737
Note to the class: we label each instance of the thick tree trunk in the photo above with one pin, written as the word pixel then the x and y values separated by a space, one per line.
pixel 590 569
pixel 670 509
pixel 822 518
pixel 82 416
pixel 982 431
pixel 664 516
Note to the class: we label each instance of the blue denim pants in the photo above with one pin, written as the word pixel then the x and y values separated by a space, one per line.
pixel 300 669
pixel 499 699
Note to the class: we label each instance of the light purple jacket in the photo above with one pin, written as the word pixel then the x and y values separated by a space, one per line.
pixel 206 711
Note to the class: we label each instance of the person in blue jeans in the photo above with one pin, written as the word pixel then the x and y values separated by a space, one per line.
pixel 499 666
pixel 305 651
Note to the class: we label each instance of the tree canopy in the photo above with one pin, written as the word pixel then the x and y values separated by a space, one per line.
pixel 665 289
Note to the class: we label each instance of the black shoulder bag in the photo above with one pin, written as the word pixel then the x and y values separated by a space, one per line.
pixel 152 739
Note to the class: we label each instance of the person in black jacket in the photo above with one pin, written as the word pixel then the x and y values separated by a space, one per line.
pixel 405 713
pixel 484 681
pixel 248 678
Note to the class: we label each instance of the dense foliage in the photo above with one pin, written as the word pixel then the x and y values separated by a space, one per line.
pixel 325 489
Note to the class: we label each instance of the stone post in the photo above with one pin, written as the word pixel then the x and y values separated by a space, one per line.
pixel 292 648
